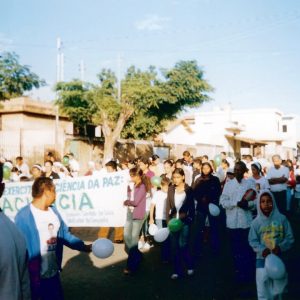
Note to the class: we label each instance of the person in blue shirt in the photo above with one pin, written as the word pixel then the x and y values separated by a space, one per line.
pixel 45 234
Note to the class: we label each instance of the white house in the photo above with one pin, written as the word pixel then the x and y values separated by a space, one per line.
pixel 259 132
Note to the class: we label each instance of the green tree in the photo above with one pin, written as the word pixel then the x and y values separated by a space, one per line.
pixel 76 101
pixel 148 100
pixel 15 78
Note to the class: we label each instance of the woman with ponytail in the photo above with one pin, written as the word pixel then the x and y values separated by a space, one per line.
pixel 136 204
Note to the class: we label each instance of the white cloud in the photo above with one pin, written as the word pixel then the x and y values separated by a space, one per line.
pixel 152 22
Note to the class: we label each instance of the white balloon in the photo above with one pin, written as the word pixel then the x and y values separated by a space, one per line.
pixel 274 266
pixel 153 229
pixel 214 210
pixel 102 248
pixel 161 235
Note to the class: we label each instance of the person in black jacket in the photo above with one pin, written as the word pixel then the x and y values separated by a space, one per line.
pixel 180 205
pixel 207 189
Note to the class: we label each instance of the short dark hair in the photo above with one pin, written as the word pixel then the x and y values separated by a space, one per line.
pixel 112 164
pixel 145 161
pixel 225 161
pixel 49 161
pixel 40 185
pixel 198 160
pixel 169 162
pixel 242 165
pixel 179 171
pixel 180 160
pixel 154 157
pixel 19 158
pixel 186 153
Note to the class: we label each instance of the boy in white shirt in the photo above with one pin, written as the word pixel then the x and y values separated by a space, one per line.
pixel 158 203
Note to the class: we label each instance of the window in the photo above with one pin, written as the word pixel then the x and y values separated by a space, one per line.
pixel 284 128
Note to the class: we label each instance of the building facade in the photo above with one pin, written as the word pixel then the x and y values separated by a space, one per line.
pixel 259 132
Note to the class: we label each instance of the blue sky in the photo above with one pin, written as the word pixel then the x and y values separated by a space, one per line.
pixel 249 50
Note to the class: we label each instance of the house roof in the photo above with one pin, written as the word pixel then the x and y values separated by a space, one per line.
pixel 29 106
pixel 184 122
pixel 248 140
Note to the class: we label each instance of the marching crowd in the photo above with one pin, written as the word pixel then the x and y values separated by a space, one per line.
pixel 255 199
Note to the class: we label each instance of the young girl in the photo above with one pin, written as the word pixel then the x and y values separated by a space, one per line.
pixel 158 204
pixel 135 217
pixel 270 232
pixel 180 205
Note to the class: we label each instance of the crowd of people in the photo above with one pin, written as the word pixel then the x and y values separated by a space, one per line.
pixel 256 199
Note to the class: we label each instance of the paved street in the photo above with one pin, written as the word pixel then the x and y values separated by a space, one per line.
pixel 87 277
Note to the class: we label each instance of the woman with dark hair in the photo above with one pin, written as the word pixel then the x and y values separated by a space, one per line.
pixel 207 189
pixel 136 211
pixel 261 181
pixel 180 205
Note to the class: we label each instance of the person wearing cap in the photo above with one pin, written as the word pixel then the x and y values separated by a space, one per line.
pixel 238 220
pixel 229 174
pixel 36 171
pixel 14 279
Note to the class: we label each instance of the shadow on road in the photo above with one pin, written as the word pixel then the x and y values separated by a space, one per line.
pixel 212 280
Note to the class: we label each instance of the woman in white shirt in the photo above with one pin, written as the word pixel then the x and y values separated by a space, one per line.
pixel 261 182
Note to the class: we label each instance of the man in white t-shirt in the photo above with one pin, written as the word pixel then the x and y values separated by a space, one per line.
pixel 278 176
pixel 45 233
pixel 22 167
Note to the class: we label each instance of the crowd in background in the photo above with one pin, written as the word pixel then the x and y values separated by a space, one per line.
pixel 255 198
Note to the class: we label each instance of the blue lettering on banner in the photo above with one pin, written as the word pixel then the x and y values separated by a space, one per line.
pixel 112 181
pixel 65 186
pixel 17 190
pixel 93 184
pixel 66 202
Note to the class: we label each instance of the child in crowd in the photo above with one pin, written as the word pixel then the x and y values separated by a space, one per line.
pixel 158 204
pixel 270 232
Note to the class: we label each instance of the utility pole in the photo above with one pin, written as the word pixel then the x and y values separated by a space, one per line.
pixel 59 77
pixel 119 78
pixel 59 61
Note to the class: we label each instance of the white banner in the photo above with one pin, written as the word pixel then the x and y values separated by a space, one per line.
pixel 90 201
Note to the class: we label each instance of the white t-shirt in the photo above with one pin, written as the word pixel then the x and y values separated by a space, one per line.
pixel 276 173
pixel 188 174
pixel 262 182
pixel 24 169
pixel 179 199
pixel 47 224
pixel 159 200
